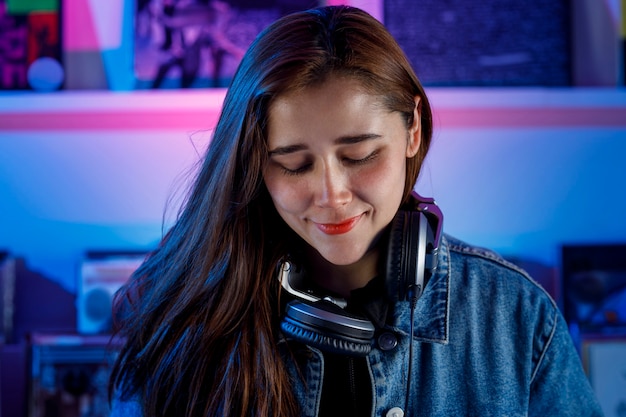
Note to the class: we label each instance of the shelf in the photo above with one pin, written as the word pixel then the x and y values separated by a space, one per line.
pixel 190 110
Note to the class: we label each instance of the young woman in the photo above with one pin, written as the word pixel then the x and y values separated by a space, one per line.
pixel 304 278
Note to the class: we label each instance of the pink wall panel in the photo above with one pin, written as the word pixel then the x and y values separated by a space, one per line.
pixel 79 28
pixel 93 25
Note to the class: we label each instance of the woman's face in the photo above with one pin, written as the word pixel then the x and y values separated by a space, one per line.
pixel 337 166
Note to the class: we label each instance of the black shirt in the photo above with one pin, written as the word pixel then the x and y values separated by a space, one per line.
pixel 347 386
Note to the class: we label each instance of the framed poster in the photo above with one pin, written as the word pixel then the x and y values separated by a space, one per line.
pixel 30 45
pixel 460 43
pixel 594 287
pixel 199 43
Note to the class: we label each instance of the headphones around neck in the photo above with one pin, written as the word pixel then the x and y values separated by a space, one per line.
pixel 320 320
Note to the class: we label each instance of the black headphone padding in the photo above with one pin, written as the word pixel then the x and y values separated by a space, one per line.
pixel 394 255
pixel 328 327
pixel 408 232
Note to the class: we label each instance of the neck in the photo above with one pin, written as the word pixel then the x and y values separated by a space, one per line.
pixel 342 279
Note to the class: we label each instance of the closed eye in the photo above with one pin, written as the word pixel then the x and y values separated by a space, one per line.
pixel 302 169
pixel 360 161
pixel 296 171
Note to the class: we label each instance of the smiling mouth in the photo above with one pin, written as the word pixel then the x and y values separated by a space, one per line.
pixel 338 228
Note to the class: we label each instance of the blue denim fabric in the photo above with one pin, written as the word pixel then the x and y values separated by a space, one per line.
pixel 489 341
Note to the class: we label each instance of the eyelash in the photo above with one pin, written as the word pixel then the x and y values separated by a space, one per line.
pixel 301 170
pixel 294 172
pixel 365 160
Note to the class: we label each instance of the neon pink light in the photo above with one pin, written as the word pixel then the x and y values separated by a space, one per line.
pixel 203 119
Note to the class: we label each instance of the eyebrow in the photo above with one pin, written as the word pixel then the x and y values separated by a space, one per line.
pixel 343 140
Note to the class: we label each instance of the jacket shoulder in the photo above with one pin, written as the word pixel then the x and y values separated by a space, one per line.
pixel 462 247
pixel 491 264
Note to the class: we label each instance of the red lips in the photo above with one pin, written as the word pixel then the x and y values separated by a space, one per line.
pixel 338 228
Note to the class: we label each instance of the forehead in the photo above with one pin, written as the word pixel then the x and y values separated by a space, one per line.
pixel 336 107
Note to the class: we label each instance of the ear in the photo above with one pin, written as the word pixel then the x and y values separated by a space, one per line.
pixel 415 132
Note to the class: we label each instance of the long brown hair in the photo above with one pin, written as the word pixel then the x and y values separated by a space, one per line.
pixel 201 315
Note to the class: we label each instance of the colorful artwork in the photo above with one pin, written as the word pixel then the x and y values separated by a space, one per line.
pixel 30 45
pixel 198 43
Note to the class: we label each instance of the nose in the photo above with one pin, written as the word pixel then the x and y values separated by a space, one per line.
pixel 333 188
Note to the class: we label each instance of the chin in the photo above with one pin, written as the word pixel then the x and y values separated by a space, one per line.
pixel 342 258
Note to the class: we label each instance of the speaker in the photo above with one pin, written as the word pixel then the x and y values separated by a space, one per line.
pixel 101 275
pixel 320 320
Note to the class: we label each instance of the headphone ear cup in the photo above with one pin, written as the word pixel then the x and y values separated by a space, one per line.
pixel 328 327
pixel 406 255
pixel 395 270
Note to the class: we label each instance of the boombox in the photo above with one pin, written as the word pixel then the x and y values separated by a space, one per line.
pixel 101 274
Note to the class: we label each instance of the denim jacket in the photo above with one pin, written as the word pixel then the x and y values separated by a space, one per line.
pixel 488 341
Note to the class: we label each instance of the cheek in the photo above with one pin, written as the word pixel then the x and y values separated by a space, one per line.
pixel 384 178
pixel 287 195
